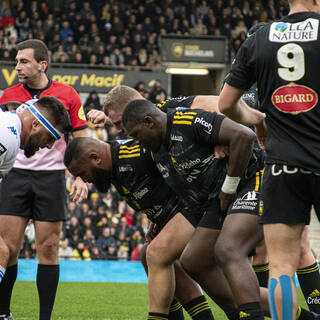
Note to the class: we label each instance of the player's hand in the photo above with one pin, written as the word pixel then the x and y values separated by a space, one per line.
pixel 225 200
pixel 221 152
pixel 152 232
pixel 79 190
pixel 98 118
pixel 261 131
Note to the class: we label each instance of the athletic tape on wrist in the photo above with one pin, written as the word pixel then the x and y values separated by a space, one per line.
pixel 230 184
pixel 30 105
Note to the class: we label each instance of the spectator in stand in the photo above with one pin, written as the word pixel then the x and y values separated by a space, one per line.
pixel 93 101
pixel 122 253
pixel 141 88
pixel 136 253
pixel 7 19
pixel 157 93
pixel 112 252
pixel 117 58
pixel 89 239
pixel 105 240
pixel 123 227
pixel 73 228
pixel 96 254
pixel 81 252
pixel 65 251
pixel 65 31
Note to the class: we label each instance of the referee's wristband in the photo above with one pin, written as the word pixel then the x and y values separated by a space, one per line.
pixel 230 184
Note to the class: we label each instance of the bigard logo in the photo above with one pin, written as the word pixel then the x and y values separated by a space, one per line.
pixel 294 98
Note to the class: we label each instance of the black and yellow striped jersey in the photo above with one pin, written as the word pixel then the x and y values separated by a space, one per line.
pixel 137 179
pixel 186 158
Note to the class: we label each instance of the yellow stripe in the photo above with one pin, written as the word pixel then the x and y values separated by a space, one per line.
pixel 183 117
pixel 197 306
pixel 200 310
pixel 189 112
pixel 129 151
pixel 156 318
pixel 175 307
pixel 256 188
pixel 310 270
pixel 261 269
pixel 182 122
pixel 129 148
pixel 129 155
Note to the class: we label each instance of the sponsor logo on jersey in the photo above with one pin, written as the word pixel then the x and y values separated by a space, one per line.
pixel 3 149
pixel 176 138
pixel 248 202
pixel 189 164
pixel 140 193
pixel 125 168
pixel 302 31
pixel 294 98
pixel 81 114
pixel 205 124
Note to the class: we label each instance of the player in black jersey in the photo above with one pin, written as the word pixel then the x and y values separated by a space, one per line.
pixel 182 143
pixel 132 171
pixel 283 58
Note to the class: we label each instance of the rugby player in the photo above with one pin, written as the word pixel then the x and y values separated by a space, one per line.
pixel 131 170
pixel 35 187
pixel 182 144
pixel 282 59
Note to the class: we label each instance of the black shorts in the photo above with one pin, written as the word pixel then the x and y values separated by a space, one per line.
pixel 38 195
pixel 246 201
pixel 288 194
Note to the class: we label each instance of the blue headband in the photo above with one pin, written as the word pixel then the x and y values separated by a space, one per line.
pixel 37 114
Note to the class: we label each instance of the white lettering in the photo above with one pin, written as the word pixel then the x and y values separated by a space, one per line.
pixel 205 124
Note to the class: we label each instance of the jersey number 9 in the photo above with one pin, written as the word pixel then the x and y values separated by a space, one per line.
pixel 291 59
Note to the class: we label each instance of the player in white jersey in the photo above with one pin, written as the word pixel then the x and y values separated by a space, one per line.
pixel 35 125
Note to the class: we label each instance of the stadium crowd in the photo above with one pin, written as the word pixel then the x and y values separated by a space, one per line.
pixel 118 34
pixel 125 33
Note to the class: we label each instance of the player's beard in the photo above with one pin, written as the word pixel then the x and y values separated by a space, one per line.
pixel 101 179
pixel 32 145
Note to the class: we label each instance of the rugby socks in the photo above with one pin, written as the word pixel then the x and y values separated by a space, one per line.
pixel 199 309
pixel 157 316
pixel 251 310
pixel 176 311
pixel 233 315
pixel 262 273
pixel 6 287
pixel 309 279
pixel 47 283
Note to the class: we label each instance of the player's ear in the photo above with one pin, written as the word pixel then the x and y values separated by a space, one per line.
pixel 95 158
pixel 36 125
pixel 148 121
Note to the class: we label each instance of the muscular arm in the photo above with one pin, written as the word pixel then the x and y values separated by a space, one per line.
pixel 239 140
pixel 233 107
pixel 207 103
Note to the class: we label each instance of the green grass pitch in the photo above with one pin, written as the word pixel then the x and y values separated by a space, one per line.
pixel 91 301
